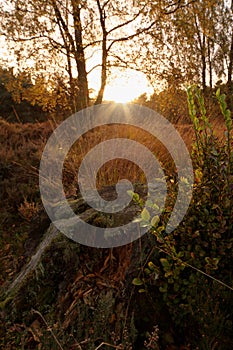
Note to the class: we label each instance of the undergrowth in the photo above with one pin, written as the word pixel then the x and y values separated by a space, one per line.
pixel 192 266
pixel 187 274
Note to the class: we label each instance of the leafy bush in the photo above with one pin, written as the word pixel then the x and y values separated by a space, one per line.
pixel 192 267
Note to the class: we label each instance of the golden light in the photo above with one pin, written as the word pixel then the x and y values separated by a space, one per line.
pixel 127 87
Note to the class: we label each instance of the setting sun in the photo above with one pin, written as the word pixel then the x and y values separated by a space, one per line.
pixel 127 87
pixel 120 93
pixel 123 86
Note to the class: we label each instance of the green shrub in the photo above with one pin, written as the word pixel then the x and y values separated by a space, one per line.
pixel 193 265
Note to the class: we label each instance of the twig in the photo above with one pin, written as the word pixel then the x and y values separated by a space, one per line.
pixel 81 342
pixel 196 269
pixel 48 327
pixel 112 346
pixel 30 170
pixel 16 114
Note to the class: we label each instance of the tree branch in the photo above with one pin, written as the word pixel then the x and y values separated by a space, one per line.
pixel 127 22
pixel 106 3
pixel 124 64
pixel 93 43
pixel 61 20
pixel 27 39
pixel 141 31
pixel 178 5
pixel 93 68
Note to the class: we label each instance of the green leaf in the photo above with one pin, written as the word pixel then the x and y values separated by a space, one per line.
pixel 134 195
pixel 156 207
pixel 130 193
pixel 137 282
pixel 168 274
pixel 155 221
pixel 152 266
pixel 165 262
pixel 145 215
pixel 159 230
pixel 147 271
pixel 163 289
pixel 149 203
pixel 184 180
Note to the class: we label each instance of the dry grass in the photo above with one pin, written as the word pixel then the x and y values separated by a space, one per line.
pixel 21 146
pixel 117 169
pixel 20 153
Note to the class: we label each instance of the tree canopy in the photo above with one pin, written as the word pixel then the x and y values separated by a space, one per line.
pixel 178 42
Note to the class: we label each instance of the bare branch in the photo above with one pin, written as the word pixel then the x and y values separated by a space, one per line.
pixel 102 17
pixel 61 20
pixel 53 42
pixel 93 68
pixel 125 38
pixel 36 37
pixel 119 59
pixel 106 3
pixel 92 54
pixel 127 22
pixel 124 64
pixel 178 5
pixel 93 43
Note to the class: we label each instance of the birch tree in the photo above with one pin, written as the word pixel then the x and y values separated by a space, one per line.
pixel 75 36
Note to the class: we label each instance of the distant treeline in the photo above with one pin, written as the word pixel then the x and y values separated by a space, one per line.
pixel 24 101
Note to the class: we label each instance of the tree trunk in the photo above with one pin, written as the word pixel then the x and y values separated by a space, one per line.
pixel 229 75
pixel 100 96
pixel 203 59
pixel 202 48
pixel 72 96
pixel 230 68
pixel 83 96
pixel 210 65
pixel 75 46
pixel 72 99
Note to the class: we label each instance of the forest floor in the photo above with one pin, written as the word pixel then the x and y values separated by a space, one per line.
pixel 21 149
